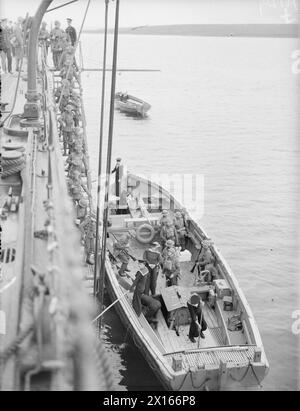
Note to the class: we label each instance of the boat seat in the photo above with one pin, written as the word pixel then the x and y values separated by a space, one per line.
pixel 140 220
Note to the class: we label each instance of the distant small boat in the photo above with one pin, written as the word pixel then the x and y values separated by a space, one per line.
pixel 131 105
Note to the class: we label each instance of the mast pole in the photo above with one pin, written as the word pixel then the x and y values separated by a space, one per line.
pixel 101 276
pixel 109 153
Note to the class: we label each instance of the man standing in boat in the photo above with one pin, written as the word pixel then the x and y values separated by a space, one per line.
pixel 153 259
pixel 168 232
pixel 118 170
pixel 139 286
pixel 171 266
pixel 198 323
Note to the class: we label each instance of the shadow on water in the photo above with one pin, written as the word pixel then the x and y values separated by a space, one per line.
pixel 134 116
pixel 134 372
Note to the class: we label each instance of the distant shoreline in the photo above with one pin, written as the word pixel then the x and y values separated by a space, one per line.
pixel 213 30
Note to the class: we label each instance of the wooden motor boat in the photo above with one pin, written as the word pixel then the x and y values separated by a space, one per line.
pixel 232 355
pixel 131 105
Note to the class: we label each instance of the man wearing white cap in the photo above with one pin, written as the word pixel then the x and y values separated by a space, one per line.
pixel 198 323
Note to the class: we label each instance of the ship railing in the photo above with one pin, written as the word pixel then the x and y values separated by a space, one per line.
pixel 65 305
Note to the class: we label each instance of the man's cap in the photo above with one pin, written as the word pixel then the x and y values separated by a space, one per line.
pixel 4 19
pixel 83 202
pixel 118 159
pixel 68 19
pixel 155 244
pixel 124 237
pixel 164 212
pixel 195 299
pixel 170 243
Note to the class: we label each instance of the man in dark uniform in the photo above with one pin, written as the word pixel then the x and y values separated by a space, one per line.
pixel 71 31
pixel 153 259
pixel 138 286
pixel 198 323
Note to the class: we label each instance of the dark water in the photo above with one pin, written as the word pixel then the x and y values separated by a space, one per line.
pixel 225 108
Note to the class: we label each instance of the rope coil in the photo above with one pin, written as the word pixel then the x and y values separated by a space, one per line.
pixel 12 166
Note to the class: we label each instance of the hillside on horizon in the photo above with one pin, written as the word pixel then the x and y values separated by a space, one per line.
pixel 219 30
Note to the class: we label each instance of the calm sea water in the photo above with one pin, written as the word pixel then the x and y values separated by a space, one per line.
pixel 225 108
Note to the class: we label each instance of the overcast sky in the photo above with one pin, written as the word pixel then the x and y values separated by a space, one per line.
pixel 153 12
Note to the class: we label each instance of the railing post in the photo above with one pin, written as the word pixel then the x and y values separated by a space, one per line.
pixel 32 108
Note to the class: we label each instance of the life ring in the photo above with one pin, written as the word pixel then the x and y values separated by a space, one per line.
pixel 12 145
pixel 145 233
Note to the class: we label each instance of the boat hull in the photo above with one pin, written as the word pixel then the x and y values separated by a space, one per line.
pixel 132 105
pixel 229 365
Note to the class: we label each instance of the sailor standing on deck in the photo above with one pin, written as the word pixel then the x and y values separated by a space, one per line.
pixel 44 36
pixel 118 170
pixel 56 36
pixel 67 123
pixel 171 266
pixel 71 31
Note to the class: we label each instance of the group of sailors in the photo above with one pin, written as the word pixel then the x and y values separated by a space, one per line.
pixel 61 41
pixel 159 256
pixel 13 36
pixel 164 255
pixel 67 96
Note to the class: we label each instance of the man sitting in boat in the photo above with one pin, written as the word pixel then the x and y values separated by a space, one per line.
pixel 198 323
pixel 171 266
pixel 121 248
pixel 139 286
pixel 151 306
pixel 168 232
pixel 153 259
pixel 206 262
